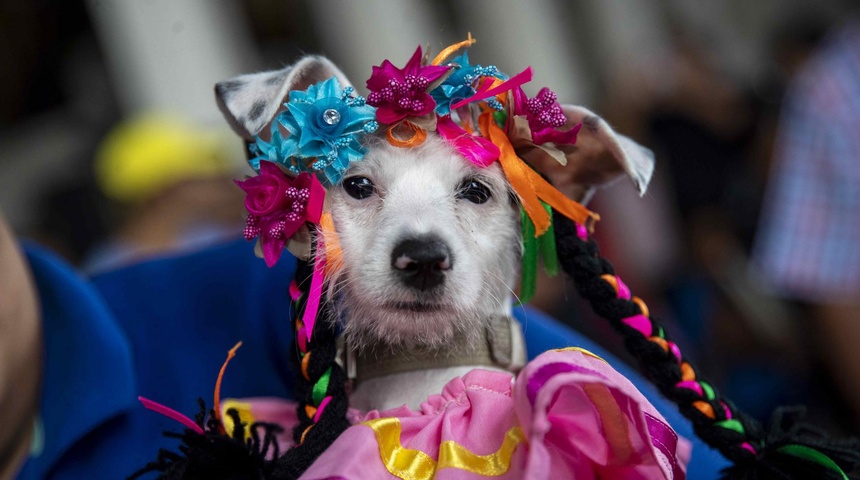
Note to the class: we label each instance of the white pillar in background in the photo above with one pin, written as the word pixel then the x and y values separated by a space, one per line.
pixel 632 36
pixel 168 54
pixel 514 34
pixel 357 35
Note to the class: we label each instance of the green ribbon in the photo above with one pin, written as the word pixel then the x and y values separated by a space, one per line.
pixel 536 248
pixel 528 276
pixel 709 391
pixel 732 424
pixel 501 117
pixel 813 455
pixel 548 254
pixel 321 387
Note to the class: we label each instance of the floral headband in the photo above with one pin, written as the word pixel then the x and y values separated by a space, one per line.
pixel 481 112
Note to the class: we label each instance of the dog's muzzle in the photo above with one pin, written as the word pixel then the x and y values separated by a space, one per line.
pixel 422 262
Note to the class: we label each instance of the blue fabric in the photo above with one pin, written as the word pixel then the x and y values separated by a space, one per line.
pixel 161 329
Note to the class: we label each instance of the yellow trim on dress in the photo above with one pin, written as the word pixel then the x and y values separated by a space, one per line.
pixel 582 351
pixel 410 464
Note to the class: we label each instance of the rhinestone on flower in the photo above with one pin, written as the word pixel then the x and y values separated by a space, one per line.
pixel 331 116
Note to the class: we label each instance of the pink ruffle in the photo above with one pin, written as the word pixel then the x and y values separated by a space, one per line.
pixel 580 417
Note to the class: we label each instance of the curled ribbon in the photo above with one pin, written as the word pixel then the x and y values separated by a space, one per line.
pixel 530 186
pixel 448 51
pixel 417 138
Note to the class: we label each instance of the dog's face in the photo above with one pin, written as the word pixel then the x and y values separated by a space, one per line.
pixel 430 245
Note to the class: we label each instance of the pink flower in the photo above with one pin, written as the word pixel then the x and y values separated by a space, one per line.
pixel 544 115
pixel 278 206
pixel 400 93
pixel 265 192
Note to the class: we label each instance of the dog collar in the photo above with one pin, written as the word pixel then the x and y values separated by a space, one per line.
pixel 497 349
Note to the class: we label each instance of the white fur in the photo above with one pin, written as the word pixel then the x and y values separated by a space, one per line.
pixel 416 194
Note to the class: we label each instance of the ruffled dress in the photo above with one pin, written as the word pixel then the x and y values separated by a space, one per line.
pixel 568 415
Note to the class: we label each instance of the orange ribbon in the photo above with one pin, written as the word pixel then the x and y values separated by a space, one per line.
pixel 448 51
pixel 333 252
pixel 216 404
pixel 417 138
pixel 530 186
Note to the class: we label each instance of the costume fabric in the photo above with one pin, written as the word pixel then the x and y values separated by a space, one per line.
pixel 568 415
pixel 809 246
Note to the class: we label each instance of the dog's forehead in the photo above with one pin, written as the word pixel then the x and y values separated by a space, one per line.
pixel 433 160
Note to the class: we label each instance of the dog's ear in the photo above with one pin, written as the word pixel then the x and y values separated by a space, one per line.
pixel 250 102
pixel 599 157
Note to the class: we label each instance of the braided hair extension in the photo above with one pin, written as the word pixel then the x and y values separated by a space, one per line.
pixel 789 450
pixel 321 385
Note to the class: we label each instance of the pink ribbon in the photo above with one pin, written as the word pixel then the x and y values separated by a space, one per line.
pixel 313 304
pixel 519 79
pixel 477 150
pixel 170 413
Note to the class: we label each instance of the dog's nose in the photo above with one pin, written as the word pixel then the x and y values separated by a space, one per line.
pixel 422 262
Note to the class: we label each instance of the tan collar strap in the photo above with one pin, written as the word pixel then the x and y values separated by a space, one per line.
pixel 496 350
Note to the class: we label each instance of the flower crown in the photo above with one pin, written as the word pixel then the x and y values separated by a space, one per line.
pixel 480 111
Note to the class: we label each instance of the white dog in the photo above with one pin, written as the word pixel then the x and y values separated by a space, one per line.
pixel 431 243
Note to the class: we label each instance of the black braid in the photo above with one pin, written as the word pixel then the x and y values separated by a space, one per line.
pixel 755 453
pixel 312 439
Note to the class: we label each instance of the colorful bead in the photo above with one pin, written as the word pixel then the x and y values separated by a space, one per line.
pixel 687 373
pixel 642 307
pixel 640 323
pixel 726 410
pixel 705 408
pixel 691 385
pixel 733 424
pixel 371 126
pixel 675 351
pixel 748 447
pixel 321 408
pixel 709 391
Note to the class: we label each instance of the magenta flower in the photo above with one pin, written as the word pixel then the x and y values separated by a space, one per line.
pixel 400 93
pixel 278 206
pixel 544 116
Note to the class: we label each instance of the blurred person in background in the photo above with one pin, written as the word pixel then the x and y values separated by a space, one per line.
pixel 808 246
pixel 171 182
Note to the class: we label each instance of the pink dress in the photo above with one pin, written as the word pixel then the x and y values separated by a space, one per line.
pixel 568 415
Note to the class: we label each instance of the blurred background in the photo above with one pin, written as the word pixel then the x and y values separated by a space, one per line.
pixel 112 149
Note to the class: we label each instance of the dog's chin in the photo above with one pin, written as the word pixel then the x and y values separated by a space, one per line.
pixel 415 307
pixel 409 324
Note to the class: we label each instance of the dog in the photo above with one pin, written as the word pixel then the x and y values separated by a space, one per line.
pixel 431 246
pixel 431 243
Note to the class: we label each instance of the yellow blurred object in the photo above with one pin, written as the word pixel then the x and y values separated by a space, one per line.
pixel 148 154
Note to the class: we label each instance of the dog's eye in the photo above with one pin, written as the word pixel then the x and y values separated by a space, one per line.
pixel 358 187
pixel 474 191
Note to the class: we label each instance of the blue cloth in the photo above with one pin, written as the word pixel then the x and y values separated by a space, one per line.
pixel 161 329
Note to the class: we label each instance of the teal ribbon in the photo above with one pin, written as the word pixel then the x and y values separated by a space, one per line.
pixel 812 455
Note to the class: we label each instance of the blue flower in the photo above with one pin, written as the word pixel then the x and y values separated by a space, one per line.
pixel 459 84
pixel 325 125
